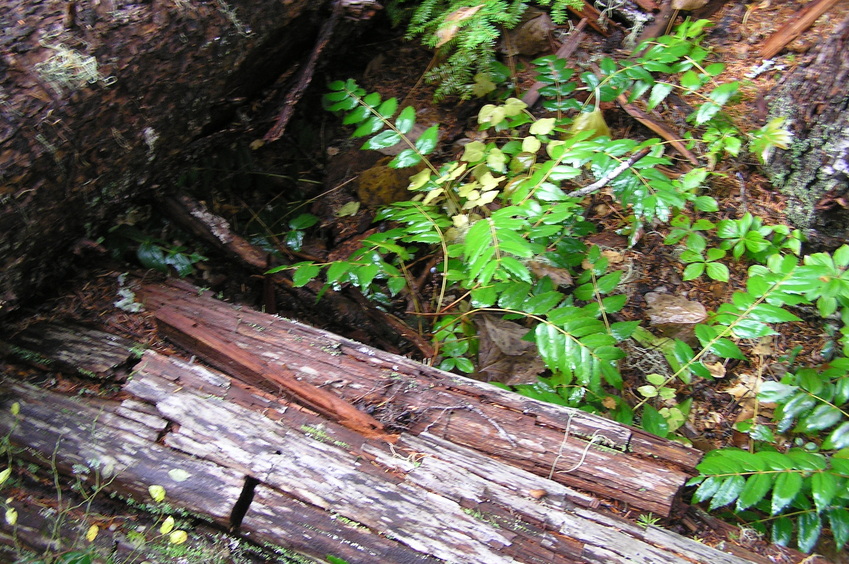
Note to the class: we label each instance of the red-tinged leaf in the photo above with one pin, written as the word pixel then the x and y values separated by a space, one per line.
pixel 810 526
pixel 787 486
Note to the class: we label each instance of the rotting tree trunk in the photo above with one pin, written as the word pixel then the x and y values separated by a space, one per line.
pixel 814 173
pixel 101 101
pixel 462 472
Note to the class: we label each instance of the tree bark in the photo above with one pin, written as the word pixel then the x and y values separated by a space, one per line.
pixel 100 101
pixel 814 173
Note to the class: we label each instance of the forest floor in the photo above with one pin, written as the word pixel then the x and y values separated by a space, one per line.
pixel 327 160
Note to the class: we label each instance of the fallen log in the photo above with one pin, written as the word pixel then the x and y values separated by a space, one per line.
pixel 471 474
pixel 567 445
pixel 289 477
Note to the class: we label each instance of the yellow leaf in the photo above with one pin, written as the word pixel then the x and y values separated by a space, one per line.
pixel 531 144
pixel 591 121
pixel 178 537
pixel 167 525
pixel 157 493
pixel 418 180
pixel 15 409
pixel 91 534
pixel 542 126
pixel 11 516
pixel 4 475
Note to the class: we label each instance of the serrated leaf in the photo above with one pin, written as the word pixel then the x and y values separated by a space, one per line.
pixel 782 531
pixel 824 486
pixel 787 486
pixel 810 526
pixel 838 439
pixel 728 491
pixel 369 126
pixel 305 274
pixel 382 140
pixel 427 140
pixel 756 488
pixel 839 520
pixel 707 489
pixel 822 417
pixel 388 107
pixel 406 120
pixel 404 159
pixel 659 92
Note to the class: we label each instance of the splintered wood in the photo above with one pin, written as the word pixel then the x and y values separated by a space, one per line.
pixel 434 468
pixel 567 445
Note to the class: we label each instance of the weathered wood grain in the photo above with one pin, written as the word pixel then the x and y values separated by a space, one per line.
pixel 572 447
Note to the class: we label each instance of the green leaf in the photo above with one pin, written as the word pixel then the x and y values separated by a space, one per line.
pixel 787 486
pixel 728 491
pixel 693 270
pixel 824 486
pixel 708 489
pixel 782 531
pixel 838 439
pixel 388 107
pixel 654 422
pixel 304 274
pixel 406 120
pixel 810 526
pixel 382 140
pixel 658 93
pixel 151 256
pixel 404 159
pixel 427 140
pixel 757 486
pixel 717 271
pixel 822 417
pixel 839 520
pixel 369 126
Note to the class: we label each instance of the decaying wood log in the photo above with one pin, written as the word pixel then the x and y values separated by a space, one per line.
pixel 319 488
pixel 472 474
pixel 572 447
pixel 70 347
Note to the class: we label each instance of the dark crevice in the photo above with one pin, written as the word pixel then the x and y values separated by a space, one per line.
pixel 243 503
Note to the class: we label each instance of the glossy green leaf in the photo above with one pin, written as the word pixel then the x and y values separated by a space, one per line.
pixel 824 486
pixel 369 126
pixel 654 422
pixel 404 159
pixel 406 120
pixel 756 488
pixel 427 140
pixel 810 526
pixel 728 491
pixel 782 531
pixel 787 486
pixel 382 140
pixel 839 521
pixel 822 417
pixel 839 438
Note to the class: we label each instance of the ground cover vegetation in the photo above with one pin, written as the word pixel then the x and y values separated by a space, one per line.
pixel 504 226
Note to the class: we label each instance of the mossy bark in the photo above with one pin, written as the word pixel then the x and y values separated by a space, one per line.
pixel 814 172
pixel 101 101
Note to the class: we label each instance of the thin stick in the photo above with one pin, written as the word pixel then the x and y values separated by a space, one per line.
pixel 600 183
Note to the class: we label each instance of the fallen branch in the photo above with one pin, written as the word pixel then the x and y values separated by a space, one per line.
pixel 602 182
